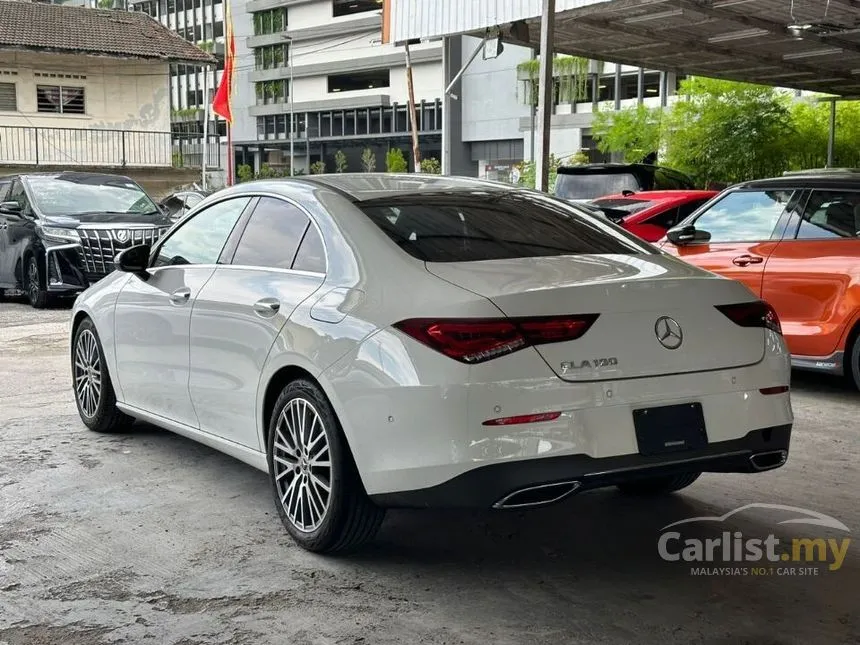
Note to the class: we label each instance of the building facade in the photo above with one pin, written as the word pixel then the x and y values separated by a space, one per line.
pixel 349 90
pixel 200 22
pixel 497 115
pixel 68 96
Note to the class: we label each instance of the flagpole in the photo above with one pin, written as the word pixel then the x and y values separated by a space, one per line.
pixel 231 158
pixel 206 101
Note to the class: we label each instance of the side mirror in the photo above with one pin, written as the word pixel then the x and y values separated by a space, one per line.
pixel 134 260
pixel 685 235
pixel 10 208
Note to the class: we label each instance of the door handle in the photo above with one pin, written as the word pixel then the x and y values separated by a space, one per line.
pixel 267 307
pixel 746 260
pixel 180 296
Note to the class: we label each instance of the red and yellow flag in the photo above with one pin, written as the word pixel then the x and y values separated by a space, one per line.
pixel 222 103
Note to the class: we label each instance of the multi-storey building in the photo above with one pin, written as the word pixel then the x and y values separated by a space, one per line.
pixel 349 90
pixel 200 22
pixel 498 129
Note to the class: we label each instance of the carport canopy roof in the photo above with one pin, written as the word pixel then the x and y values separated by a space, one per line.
pixel 802 44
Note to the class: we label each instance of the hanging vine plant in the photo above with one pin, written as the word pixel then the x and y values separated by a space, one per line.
pixel 570 74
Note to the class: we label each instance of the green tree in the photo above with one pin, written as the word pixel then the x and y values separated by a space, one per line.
pixel 528 172
pixel 395 161
pixel 431 166
pixel 340 161
pixel 368 160
pixel 318 168
pixel 728 132
pixel 244 173
pixel 811 121
pixel 634 132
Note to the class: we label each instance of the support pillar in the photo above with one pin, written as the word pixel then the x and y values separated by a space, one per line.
pixel 547 38
pixel 831 135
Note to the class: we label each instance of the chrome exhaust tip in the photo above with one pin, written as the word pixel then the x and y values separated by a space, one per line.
pixel 542 495
pixel 769 460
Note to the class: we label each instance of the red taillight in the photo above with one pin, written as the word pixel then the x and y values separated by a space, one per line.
pixel 777 389
pixel 524 418
pixel 479 339
pixel 753 314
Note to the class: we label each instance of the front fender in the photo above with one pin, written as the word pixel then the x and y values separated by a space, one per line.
pixel 99 304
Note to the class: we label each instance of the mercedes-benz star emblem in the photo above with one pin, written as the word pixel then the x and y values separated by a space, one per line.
pixel 669 332
pixel 121 235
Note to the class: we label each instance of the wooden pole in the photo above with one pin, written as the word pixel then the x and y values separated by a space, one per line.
pixel 416 153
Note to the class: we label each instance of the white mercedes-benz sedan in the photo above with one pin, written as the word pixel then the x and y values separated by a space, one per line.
pixel 375 341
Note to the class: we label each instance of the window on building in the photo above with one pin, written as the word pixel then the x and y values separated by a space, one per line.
pixel 272 92
pixel 272 21
pixel 606 87
pixel 8 98
pixel 219 29
pixel 271 56
pixel 358 80
pixel 62 100
pixel 195 97
pixel 349 7
pixel 652 84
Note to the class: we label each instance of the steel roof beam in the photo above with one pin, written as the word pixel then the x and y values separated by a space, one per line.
pixel 697 45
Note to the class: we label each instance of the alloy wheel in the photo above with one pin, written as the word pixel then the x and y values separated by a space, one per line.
pixel 88 376
pixel 302 465
pixel 33 286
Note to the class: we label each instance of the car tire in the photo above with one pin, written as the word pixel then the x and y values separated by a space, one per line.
pixel 852 370
pixel 94 393
pixel 658 485
pixel 36 294
pixel 307 452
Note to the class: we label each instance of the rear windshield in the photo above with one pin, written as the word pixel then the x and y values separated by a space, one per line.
pixel 594 185
pixel 468 228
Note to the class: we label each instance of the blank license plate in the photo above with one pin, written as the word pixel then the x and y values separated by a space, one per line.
pixel 671 428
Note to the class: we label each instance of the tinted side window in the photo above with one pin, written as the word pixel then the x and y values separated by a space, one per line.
pixel 4 188
pixel 17 194
pixel 831 214
pixel 468 228
pixel 666 219
pixel 744 215
pixel 311 254
pixel 201 239
pixel 685 210
pixel 272 236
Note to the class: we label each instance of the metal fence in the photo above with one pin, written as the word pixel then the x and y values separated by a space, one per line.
pixel 188 151
pixel 28 145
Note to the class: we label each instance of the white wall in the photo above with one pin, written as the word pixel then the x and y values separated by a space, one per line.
pixel 119 95
pixel 492 105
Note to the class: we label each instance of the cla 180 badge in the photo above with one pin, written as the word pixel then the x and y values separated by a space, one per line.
pixel 593 364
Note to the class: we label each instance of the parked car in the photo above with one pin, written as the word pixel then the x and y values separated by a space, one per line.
pixel 650 214
pixel 590 181
pixel 177 204
pixel 794 242
pixel 59 232
pixel 376 341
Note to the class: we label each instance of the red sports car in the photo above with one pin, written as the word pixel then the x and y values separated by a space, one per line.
pixel 649 214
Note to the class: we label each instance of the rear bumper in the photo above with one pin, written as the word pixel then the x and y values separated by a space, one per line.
pixel 486 486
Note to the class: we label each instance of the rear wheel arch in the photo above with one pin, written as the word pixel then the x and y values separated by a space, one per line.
pixel 282 377
pixel 851 357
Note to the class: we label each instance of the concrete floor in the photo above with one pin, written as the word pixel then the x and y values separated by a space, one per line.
pixel 146 537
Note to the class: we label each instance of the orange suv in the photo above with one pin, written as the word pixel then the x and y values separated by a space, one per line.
pixel 795 242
